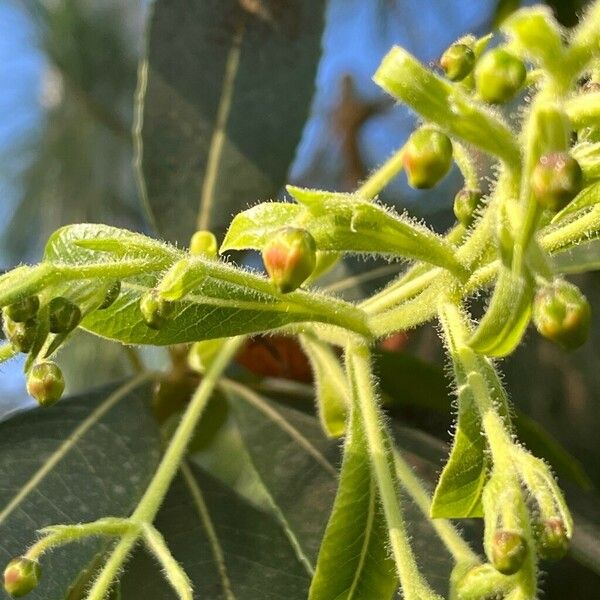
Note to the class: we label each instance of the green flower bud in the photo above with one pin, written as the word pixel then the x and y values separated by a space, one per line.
pixel 111 295
pixel 20 335
pixel 290 257
pixel 457 61
pixel 509 549
pixel 556 180
pixel 498 76
pixel 427 157
pixel 64 315
pixel 562 314
pixel 203 243
pixel 155 309
pixel 45 383
pixel 21 576
pixel 23 310
pixel 465 204
pixel 552 539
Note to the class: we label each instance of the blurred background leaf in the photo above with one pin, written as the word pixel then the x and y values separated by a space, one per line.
pixel 222 100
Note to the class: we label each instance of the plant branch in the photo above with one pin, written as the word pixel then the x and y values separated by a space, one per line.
pixel 156 491
pixel 412 582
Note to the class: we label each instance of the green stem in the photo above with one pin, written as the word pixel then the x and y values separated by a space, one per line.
pixel 465 165
pixel 382 176
pixel 413 584
pixel 156 491
pixel 455 544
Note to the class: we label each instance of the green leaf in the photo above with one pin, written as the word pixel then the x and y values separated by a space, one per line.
pixel 229 548
pixel 222 99
pixel 88 457
pixel 458 492
pixel 341 223
pixel 295 463
pixel 578 259
pixel 330 383
pixel 245 303
pixel 589 196
pixel 404 77
pixel 506 317
pixel 353 561
pixel 535 34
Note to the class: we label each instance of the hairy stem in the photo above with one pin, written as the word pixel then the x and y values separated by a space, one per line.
pixel 382 176
pixel 156 491
pixel 413 584
pixel 450 537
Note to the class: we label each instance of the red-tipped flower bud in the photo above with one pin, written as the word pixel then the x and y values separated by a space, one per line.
pixel 498 76
pixel 562 314
pixel 203 243
pixel 552 539
pixel 427 157
pixel 155 309
pixel 20 335
pixel 290 258
pixel 21 576
pixel 509 549
pixel 457 61
pixel 64 315
pixel 23 310
pixel 112 293
pixel 45 383
pixel 556 180
pixel 465 204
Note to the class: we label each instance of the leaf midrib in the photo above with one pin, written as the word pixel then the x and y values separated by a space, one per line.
pixel 71 441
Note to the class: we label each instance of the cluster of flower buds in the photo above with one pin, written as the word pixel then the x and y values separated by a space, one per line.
pixel 498 74
pixel 155 309
pixel 27 329
pixel 562 314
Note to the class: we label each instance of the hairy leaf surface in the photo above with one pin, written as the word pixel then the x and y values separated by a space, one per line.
pixel 216 308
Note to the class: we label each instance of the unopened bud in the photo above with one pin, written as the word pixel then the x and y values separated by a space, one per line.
pixel 290 257
pixel 498 76
pixel 465 204
pixel 203 243
pixel 45 383
pixel 509 549
pixel 457 61
pixel 64 315
pixel 556 180
pixel 562 314
pixel 155 309
pixel 20 335
pixel 427 157
pixel 111 295
pixel 21 576
pixel 23 310
pixel 552 539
